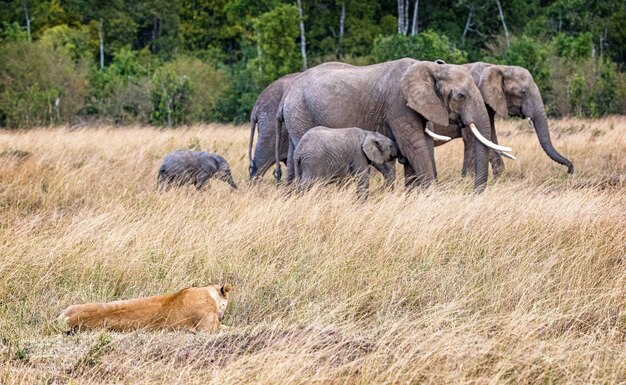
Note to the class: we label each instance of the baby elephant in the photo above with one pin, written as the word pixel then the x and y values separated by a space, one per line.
pixel 334 154
pixel 185 167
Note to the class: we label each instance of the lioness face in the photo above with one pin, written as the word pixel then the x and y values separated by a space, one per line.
pixel 220 294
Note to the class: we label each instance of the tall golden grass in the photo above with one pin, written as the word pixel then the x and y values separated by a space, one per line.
pixel 525 283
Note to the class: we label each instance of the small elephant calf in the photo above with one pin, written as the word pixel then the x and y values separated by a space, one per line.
pixel 193 167
pixel 334 154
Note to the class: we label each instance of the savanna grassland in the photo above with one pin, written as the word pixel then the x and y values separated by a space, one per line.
pixel 525 283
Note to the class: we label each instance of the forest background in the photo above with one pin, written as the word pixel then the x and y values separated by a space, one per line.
pixel 174 62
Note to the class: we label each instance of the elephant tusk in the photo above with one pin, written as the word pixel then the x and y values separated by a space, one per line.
pixel 441 138
pixel 507 155
pixel 486 141
pixel 530 121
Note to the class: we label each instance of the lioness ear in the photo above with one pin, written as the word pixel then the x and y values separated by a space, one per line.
pixel 225 289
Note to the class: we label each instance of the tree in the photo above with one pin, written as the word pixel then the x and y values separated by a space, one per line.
pixel 428 45
pixel 276 33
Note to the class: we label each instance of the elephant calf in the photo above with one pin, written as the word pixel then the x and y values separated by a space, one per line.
pixel 193 167
pixel 333 154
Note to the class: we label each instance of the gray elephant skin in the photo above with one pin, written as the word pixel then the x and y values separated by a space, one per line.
pixel 263 119
pixel 335 154
pixel 394 98
pixel 507 91
pixel 182 167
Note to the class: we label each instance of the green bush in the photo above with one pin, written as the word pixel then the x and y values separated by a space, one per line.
pixel 595 89
pixel 276 34
pixel 121 92
pixel 235 104
pixel 75 41
pixel 427 45
pixel 39 85
pixel 185 91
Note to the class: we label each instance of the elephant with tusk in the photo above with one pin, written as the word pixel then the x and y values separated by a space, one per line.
pixel 507 91
pixel 395 98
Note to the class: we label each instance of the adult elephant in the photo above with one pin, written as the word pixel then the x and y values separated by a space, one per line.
pixel 263 118
pixel 507 91
pixel 394 98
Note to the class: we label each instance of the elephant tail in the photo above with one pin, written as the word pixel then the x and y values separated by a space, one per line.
pixel 253 122
pixel 280 118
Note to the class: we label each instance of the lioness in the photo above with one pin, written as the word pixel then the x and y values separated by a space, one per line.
pixel 194 309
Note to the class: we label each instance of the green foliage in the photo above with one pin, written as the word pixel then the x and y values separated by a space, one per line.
pixel 576 51
pixel 39 85
pixel 75 41
pixel 575 48
pixel 276 33
pixel 594 89
pixel 237 101
pixel 185 91
pixel 428 45
pixel 121 92
pixel 13 32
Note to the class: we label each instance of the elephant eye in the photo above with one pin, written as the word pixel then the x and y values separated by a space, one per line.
pixel 460 96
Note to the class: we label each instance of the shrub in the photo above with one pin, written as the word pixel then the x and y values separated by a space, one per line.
pixel 121 92
pixel 427 45
pixel 75 41
pixel 39 85
pixel 185 91
pixel 276 34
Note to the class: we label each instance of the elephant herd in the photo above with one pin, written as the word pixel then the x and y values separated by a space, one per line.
pixel 334 120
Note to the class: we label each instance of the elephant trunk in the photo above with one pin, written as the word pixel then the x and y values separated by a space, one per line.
pixel 540 123
pixel 481 166
pixel 229 179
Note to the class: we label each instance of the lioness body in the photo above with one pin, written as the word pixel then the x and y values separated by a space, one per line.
pixel 193 309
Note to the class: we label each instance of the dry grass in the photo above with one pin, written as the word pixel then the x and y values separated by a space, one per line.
pixel 524 283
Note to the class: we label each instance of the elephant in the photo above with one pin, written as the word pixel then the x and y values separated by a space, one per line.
pixel 335 154
pixel 395 98
pixel 193 167
pixel 507 91
pixel 263 117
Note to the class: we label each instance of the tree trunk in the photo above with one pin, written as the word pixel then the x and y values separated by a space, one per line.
pixel 302 38
pixel 27 21
pixel 400 15
pixel 101 37
pixel 506 30
pixel 155 24
pixel 415 26
pixel 406 17
pixel 342 23
pixel 468 24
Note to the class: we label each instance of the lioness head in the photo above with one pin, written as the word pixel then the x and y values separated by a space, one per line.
pixel 222 298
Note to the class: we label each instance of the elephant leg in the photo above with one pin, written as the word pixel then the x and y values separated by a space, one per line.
pixel 469 152
pixel 413 145
pixel 495 159
pixel 409 176
pixel 201 182
pixel 291 172
pixel 363 184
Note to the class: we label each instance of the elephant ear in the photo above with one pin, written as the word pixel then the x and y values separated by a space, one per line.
pixel 419 85
pixel 373 149
pixel 492 88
